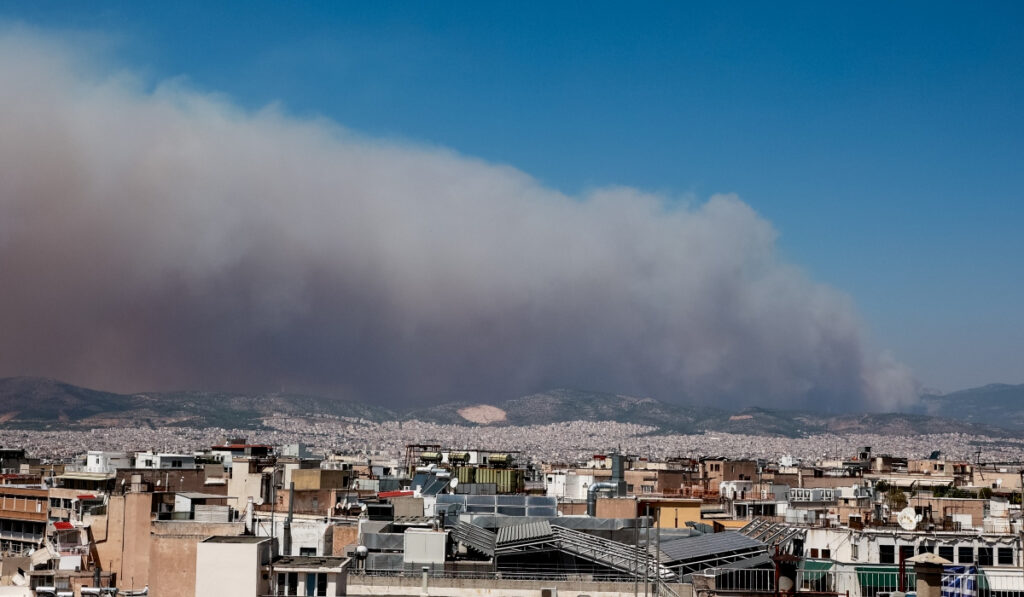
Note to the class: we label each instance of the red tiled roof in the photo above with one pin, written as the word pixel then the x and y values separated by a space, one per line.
pixel 391 494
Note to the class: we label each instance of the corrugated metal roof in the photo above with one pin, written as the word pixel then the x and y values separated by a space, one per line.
pixel 762 560
pixel 701 546
pixel 524 532
pixel 476 537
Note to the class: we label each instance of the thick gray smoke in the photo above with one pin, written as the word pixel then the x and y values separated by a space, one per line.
pixel 168 239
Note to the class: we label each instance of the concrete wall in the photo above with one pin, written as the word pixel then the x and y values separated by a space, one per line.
pixel 122 538
pixel 319 478
pixel 615 508
pixel 244 484
pixel 671 481
pixel 572 508
pixel 675 515
pixel 465 587
pixel 306 532
pixel 407 506
pixel 342 537
pixel 175 479
pixel 809 481
pixel 173 546
pixel 306 501
pixel 228 570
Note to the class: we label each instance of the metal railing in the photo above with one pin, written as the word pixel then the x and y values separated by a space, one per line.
pixel 846 582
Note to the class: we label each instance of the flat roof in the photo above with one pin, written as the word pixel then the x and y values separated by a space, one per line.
pixel 236 539
pixel 306 562
pixel 195 495
pixel 85 476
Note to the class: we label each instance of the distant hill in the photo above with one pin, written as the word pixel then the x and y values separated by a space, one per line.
pixel 28 402
pixel 34 399
pixel 995 404
pixel 38 403
pixel 573 405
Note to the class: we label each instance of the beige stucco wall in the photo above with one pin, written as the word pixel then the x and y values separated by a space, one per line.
pixel 122 538
pixel 173 554
pixel 343 536
pixel 242 485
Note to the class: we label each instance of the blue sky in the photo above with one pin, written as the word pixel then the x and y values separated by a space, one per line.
pixel 884 142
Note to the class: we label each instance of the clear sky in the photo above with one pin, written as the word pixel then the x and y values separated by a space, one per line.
pixel 884 141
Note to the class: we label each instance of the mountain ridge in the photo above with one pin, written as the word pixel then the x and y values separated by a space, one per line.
pixel 41 403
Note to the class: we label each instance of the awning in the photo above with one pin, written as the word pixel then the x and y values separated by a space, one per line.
pixel 813 570
pixel 63 526
pixel 879 577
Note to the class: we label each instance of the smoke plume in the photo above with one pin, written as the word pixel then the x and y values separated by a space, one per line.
pixel 158 238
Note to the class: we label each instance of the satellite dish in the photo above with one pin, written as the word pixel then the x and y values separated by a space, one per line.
pixel 258 501
pixel 908 519
pixel 454 482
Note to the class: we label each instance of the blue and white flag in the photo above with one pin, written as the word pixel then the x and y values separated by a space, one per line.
pixel 959 581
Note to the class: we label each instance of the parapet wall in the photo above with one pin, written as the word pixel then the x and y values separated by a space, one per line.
pixel 475 587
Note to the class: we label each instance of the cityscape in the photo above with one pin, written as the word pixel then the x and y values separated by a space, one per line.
pixel 511 299
pixel 228 515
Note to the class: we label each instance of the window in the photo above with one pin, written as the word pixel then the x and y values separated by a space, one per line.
pixel 923 548
pixel 321 584
pixel 985 556
pixel 965 555
pixel 854 549
pixel 887 554
pixel 946 552
pixel 307 551
pixel 826 553
pixel 906 552
pixel 1005 556
pixel 814 552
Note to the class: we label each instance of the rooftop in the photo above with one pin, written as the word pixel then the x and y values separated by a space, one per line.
pixel 237 539
pixel 306 562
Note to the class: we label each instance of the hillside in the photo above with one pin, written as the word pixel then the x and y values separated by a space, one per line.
pixel 36 403
pixel 572 405
pixel 34 400
pixel 995 404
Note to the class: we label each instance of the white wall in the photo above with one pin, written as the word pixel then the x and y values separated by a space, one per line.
pixel 228 570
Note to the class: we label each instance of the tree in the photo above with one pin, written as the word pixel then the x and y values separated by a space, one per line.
pixel 896 499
